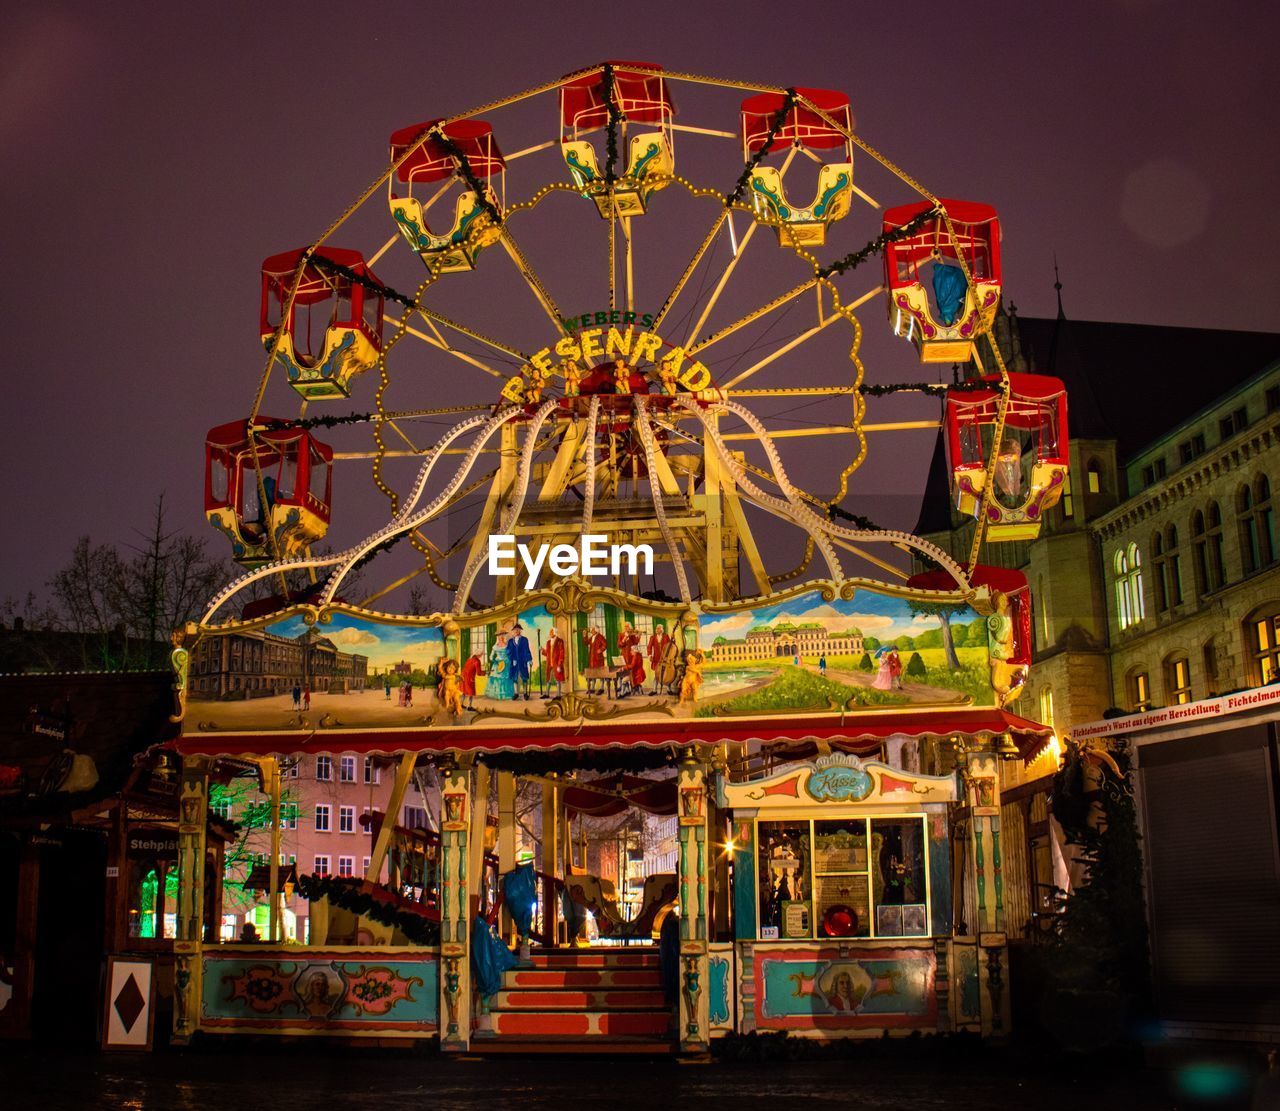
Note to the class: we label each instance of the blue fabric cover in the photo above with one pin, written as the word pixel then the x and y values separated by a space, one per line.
pixel 669 956
pixel 489 958
pixel 520 892
pixel 949 287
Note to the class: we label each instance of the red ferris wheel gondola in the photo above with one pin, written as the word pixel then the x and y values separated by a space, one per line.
pixel 931 301
pixel 269 493
pixel 807 126
pixel 474 226
pixel 320 357
pixel 641 98
pixel 1030 460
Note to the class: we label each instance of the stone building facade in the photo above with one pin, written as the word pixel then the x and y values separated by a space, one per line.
pixel 784 642
pixel 1150 460
pixel 255 663
pixel 1190 559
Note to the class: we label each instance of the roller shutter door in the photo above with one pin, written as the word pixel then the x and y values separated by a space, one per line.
pixel 1210 842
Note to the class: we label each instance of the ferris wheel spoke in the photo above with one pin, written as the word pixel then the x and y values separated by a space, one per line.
pixel 527 272
pixel 683 280
pixel 440 344
pixel 433 318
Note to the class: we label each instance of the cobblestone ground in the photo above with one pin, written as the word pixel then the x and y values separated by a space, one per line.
pixel 304 1078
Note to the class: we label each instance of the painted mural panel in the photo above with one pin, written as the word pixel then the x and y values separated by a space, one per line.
pixel 872 650
pixel 321 991
pixel 844 989
pixel 597 655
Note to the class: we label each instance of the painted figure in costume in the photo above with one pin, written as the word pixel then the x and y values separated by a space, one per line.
pixel 694 662
pixel 572 379
pixel 449 692
pixel 632 658
pixel 1007 677
pixel 471 670
pixel 519 658
pixel 499 685
pixel 656 649
pixel 596 649
pixel 889 673
pixel 1009 471
pixel 621 376
pixel 553 662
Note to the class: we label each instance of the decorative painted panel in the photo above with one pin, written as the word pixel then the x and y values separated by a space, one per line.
pixel 825 988
pixel 720 988
pixel 387 995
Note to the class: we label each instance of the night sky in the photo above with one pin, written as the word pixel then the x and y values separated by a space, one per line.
pixel 154 156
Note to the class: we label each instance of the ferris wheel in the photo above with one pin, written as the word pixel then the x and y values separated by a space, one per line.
pixel 596 307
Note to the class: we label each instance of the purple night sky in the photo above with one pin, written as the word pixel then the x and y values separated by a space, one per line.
pixel 153 157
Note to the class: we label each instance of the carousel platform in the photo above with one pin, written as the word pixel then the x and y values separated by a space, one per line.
pixel 574 1000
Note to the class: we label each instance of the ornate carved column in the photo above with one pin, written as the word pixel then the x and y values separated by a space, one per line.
pixel 694 1019
pixel 193 812
pixel 456 884
pixel 981 775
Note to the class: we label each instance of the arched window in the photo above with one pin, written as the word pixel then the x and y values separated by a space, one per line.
pixel 1167 566
pixel 1257 524
pixel 1200 551
pixel 1093 475
pixel 1130 606
pixel 1046 708
pixel 1139 684
pixel 1213 541
pixel 1121 566
pixel 1046 625
pixel 1209 654
pixel 1177 680
pixel 1250 549
pixel 1262 639
pixel 1172 566
pixel 1157 566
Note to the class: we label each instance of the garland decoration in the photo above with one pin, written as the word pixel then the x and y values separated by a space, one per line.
pixel 857 258
pixel 384 291
pixel 468 174
pixel 611 128
pixel 375 902
pixel 775 125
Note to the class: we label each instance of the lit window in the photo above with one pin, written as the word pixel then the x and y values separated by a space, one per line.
pixel 1264 645
pixel 1093 476
pixel 322 819
pixel 324 768
pixel 1140 691
pixel 1178 680
pixel 1130 605
pixel 346 819
pixel 1046 708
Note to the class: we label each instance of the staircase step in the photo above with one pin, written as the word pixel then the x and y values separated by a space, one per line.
pixel 544 979
pixel 580 1023
pixel 576 1047
pixel 570 1000
pixel 595 958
